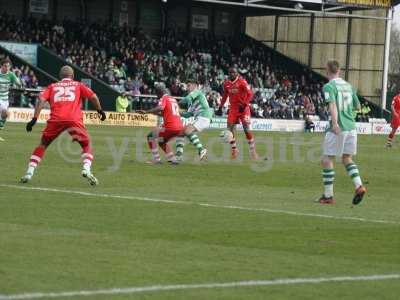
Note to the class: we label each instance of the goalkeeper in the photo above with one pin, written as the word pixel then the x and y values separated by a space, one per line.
pixel 199 109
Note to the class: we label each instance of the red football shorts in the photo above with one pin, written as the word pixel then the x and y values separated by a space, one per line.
pixel 234 116
pixel 166 134
pixel 395 123
pixel 76 130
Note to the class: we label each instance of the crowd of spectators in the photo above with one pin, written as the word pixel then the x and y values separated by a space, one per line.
pixel 130 61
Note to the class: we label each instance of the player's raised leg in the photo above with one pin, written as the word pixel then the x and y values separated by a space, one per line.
pixel 349 150
pixel 353 172
pixel 195 140
pixel 191 134
pixel 34 161
pixel 79 134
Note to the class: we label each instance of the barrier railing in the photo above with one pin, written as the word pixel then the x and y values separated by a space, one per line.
pixel 23 97
pixel 139 102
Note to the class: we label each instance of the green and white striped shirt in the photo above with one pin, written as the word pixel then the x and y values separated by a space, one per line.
pixel 6 81
pixel 346 100
pixel 198 105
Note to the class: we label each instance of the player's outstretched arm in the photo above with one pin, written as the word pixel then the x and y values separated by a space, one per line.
pixel 186 101
pixel 96 103
pixel 155 111
pixel 38 108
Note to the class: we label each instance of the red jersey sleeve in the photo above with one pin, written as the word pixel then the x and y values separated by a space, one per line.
pixel 85 91
pixel 45 95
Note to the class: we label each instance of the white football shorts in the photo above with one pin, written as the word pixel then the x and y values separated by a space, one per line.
pixel 343 143
pixel 201 123
pixel 4 105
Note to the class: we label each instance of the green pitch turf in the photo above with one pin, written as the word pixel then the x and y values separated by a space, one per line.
pixel 55 238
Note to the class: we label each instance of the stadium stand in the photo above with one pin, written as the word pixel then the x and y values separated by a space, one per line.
pixel 130 61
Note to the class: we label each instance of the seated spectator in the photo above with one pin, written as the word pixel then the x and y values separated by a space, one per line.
pixel 363 113
pixel 309 125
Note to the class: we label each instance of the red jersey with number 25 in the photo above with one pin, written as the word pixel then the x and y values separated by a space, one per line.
pixel 171 116
pixel 65 99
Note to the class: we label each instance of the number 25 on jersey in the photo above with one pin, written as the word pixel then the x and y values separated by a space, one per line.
pixel 64 94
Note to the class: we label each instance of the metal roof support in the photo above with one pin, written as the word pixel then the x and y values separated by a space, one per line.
pixel 386 58
pixel 334 8
pixel 311 41
pixel 348 48
pixel 253 1
pixel 279 8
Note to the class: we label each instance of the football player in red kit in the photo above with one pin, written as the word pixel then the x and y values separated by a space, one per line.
pixel 65 100
pixel 240 96
pixel 395 120
pixel 172 126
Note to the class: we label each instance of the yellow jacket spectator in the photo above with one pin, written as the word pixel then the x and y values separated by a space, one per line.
pixel 365 109
pixel 121 103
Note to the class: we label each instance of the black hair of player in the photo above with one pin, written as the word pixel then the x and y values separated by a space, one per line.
pixel 160 89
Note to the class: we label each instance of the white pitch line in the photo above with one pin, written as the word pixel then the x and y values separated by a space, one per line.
pixel 175 287
pixel 268 210
pixel 87 194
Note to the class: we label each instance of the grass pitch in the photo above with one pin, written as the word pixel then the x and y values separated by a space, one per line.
pixel 227 221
